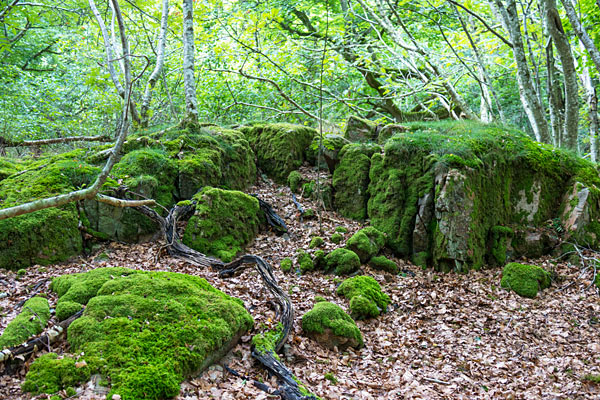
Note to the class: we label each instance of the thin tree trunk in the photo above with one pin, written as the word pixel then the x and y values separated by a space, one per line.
pixel 563 48
pixel 592 103
pixel 160 62
pixel 555 103
pixel 582 34
pixel 191 102
pixel 531 104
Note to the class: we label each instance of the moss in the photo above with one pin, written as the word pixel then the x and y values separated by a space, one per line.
pixel 370 300
pixel 317 241
pixel 341 229
pixel 326 315
pixel 597 280
pixel 150 330
pixel 366 243
pixel 305 262
pixel 21 273
pixel 331 378
pixel 524 279
pixel 500 237
pixel 309 213
pixel 319 299
pixel 351 180
pixel 342 262
pixel 421 259
pixel 8 168
pixel 184 203
pixel 280 148
pixel 30 321
pixel 294 180
pixel 319 259
pixel 49 374
pixel 592 378
pixel 266 342
pixel 65 309
pixel 224 222
pixel 360 129
pixel 384 264
pixel 337 238
pixel 286 264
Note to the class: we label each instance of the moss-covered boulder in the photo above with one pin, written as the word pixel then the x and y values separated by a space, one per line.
pixel 351 180
pixel 304 261
pixel 384 264
pixel 31 321
pixel 342 262
pixel 316 241
pixel 50 235
pixel 295 181
pixel 337 238
pixel 147 331
pixel 366 243
pixel 330 326
pixel 331 146
pixel 8 168
pixel 388 131
pixel 359 129
pixel 525 280
pixel 225 221
pixel 365 296
pixel 50 374
pixel 280 148
pixel 319 259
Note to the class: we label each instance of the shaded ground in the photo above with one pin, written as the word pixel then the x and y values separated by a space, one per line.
pixel 446 336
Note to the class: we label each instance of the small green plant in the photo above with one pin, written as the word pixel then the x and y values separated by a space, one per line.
pixel 331 378
pixel 21 273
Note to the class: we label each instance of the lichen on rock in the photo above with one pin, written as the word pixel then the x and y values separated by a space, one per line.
pixel 330 326
pixel 525 280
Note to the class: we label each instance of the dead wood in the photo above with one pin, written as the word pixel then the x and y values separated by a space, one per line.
pixel 5 142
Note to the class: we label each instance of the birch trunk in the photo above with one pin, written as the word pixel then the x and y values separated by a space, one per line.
pixel 160 62
pixel 531 104
pixel 592 103
pixel 582 34
pixel 189 84
pixel 563 48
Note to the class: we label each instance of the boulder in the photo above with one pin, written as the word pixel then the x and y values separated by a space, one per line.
pixel 342 262
pixel 390 130
pixel 331 327
pixel 365 296
pixel 366 243
pixel 330 149
pixel 360 130
pixel 525 280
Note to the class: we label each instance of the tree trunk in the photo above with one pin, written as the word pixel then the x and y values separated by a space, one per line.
pixel 592 103
pixel 160 62
pixel 563 48
pixel 191 102
pixel 555 103
pixel 582 34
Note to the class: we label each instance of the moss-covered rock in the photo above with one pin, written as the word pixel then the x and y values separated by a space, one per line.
pixel 286 264
pixel 336 238
pixel 525 280
pixel 305 262
pixel 317 241
pixel 384 264
pixel 49 374
pixel 351 180
pixel 342 262
pixel 329 325
pixel 8 168
pixel 319 259
pixel 332 144
pixel 30 321
pixel 150 330
pixel 295 181
pixel 366 243
pixel 225 221
pixel 360 129
pixel 365 296
pixel 280 148
pixel 321 193
pixel 341 229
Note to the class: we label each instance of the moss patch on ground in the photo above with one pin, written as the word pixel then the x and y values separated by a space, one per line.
pixel 224 222
pixel 50 374
pixel 30 321
pixel 384 264
pixel 305 262
pixel 525 280
pixel 328 316
pixel 341 262
pixel 365 296
pixel 366 243
pixel 150 330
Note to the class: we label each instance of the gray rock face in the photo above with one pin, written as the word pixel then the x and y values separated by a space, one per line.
pixel 360 130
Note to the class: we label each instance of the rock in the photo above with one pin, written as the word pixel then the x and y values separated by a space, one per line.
pixel 29 322
pixel 332 145
pixel 580 218
pixel 524 279
pixel 331 327
pixel 384 264
pixel 532 242
pixel 360 130
pixel 366 243
pixel 342 262
pixel 225 221
pixel 388 131
pixel 365 296
pixel 421 236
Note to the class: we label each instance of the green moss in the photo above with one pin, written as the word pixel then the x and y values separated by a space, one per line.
pixel 294 180
pixel 224 222
pixel 421 259
pixel 341 229
pixel 149 330
pixel 286 264
pixel 593 378
pixel 317 241
pixel 331 378
pixel 309 213
pixel 8 168
pixel 351 180
pixel 500 237
pixel 280 148
pixel 184 203
pixel 305 262
pixel 384 264
pixel 266 342
pixel 337 238
pixel 366 243
pixel 342 262
pixel 524 279
pixel 30 321
pixel 21 273
pixel 360 129
pixel 319 259
pixel 597 280
pixel 370 300
pixel 319 299
pixel 49 374
pixel 326 315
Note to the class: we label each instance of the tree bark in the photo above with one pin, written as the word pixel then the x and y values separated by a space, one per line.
pixel 160 62
pixel 592 103
pixel 582 34
pixel 5 142
pixel 191 102
pixel 563 48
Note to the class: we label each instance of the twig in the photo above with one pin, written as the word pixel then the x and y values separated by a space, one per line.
pixel 433 380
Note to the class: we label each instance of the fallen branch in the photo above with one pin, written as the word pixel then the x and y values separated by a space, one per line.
pixel 5 142
pixel 274 220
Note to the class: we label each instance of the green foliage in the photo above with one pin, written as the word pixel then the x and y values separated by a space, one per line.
pixel 30 321
pixel 326 315
pixel 525 280
pixel 365 296
pixel 49 374
pixel 366 243
pixel 225 221
pixel 342 262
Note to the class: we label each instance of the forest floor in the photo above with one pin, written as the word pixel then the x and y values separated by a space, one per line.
pixel 445 336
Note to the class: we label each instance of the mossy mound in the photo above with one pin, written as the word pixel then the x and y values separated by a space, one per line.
pixel 351 180
pixel 286 264
pixel 384 264
pixel 49 374
pixel 279 148
pixel 147 331
pixel 359 129
pixel 295 181
pixel 50 235
pixel 8 168
pixel 304 261
pixel 329 325
pixel 317 241
pixel 525 280
pixel 342 262
pixel 30 321
pixel 224 222
pixel 366 243
pixel 319 259
pixel 365 296
pixel 336 238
